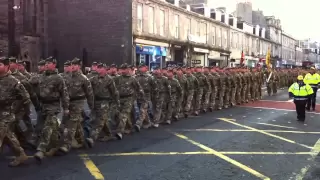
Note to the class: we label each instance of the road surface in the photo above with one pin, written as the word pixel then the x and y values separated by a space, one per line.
pixel 260 140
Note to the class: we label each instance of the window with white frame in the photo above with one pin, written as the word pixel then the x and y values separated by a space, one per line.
pixel 188 26
pixel 151 20
pixel 213 31
pixel 176 24
pixel 218 37
pixel 225 38
pixel 139 17
pixel 162 20
pixel 205 31
pixel 198 29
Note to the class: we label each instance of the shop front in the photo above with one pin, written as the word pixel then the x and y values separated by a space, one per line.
pixel 251 62
pixel 199 57
pixel 216 59
pixel 288 63
pixel 152 56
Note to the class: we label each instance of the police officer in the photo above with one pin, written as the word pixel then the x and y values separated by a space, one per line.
pixel 300 92
pixel 313 79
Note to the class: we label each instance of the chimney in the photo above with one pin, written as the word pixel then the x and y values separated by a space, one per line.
pixel 207 11
pixel 176 3
pixel 188 7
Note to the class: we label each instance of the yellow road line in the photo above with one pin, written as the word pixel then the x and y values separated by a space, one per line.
pixel 314 152
pixel 266 133
pixel 266 153
pixel 248 130
pixel 93 169
pixel 226 158
pixel 274 125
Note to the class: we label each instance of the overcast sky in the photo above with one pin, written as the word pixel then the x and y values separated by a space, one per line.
pixel 299 18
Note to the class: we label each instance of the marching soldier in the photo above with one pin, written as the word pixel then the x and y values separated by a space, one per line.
pixel 11 91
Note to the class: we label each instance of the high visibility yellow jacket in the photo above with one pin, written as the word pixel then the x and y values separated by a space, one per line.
pixel 300 91
pixel 312 79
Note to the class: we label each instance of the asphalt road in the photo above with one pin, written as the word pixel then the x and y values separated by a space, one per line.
pixel 254 141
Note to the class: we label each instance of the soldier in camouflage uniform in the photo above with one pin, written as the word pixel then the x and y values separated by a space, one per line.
pixel 105 92
pixel 184 87
pixel 214 87
pixel 11 91
pixel 164 93
pixel 113 72
pixel 193 85
pixel 272 82
pixel 93 70
pixel 208 90
pixel 176 94
pixel 24 114
pixel 222 89
pixel 66 69
pixel 52 91
pixel 22 69
pixel 239 86
pixel 80 91
pixel 150 88
pixel 127 86
pixel 244 87
pixel 203 85
pixel 253 87
pixel 233 87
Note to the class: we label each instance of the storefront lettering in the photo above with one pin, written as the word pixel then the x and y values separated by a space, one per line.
pixel 196 61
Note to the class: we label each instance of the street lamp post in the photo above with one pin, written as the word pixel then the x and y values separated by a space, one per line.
pixel 11 29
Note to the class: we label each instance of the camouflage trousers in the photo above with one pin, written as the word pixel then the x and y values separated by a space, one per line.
pixel 8 137
pixel 73 124
pixel 248 94
pixel 213 97
pixel 244 93
pixel 112 115
pixel 272 87
pixel 221 94
pixel 205 99
pixel 226 99
pixel 238 95
pixel 167 107
pixel 23 117
pixel 158 107
pixel 259 91
pixel 100 119
pixel 125 113
pixel 180 104
pixel 49 137
pixel 143 115
pixel 188 101
pixel 233 92
pixel 198 99
pixel 253 90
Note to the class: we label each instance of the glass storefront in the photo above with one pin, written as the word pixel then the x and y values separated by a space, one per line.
pixel 152 56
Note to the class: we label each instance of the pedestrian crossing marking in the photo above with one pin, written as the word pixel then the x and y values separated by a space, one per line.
pixel 226 158
pixel 275 125
pixel 266 133
pixel 93 169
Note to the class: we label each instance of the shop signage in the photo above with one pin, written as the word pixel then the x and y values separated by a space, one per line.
pixel 151 50
pixel 201 50
pixel 196 61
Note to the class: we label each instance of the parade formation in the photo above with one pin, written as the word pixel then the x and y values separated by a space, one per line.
pixel 121 100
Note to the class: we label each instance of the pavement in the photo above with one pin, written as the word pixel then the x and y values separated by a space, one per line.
pixel 259 140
